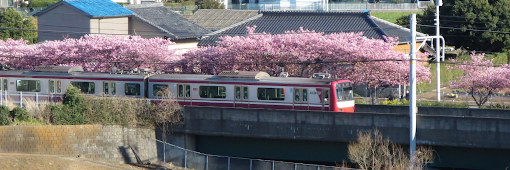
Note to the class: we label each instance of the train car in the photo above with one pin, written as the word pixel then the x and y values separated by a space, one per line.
pixel 255 90
pixel 52 81
pixel 228 89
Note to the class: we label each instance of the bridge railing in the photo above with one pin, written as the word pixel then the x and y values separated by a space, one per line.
pixel 175 157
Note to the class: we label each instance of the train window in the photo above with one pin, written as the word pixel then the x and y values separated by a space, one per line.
pixel 271 94
pixel 132 89
pixel 305 95
pixel 238 92
pixel 85 87
pixel 188 90
pixel 55 86
pixel 109 88
pixel 213 92
pixel 4 85
pixel 160 90
pixel 241 93
pixel 184 90
pixel 326 95
pixel 245 93
pixel 181 90
pixel 300 95
pixel 297 94
pixel 344 91
pixel 28 85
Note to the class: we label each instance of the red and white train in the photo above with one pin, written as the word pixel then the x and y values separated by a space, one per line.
pixel 227 89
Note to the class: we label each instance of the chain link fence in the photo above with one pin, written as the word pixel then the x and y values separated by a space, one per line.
pixel 175 157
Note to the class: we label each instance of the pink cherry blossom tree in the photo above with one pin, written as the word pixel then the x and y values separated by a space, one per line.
pixel 482 79
pixel 365 61
pixel 92 52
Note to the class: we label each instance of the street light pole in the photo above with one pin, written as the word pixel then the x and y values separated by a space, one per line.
pixel 412 98
pixel 438 54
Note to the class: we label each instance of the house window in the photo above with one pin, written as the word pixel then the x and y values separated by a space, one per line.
pixel 85 87
pixel 271 94
pixel 213 92
pixel 132 89
pixel 28 85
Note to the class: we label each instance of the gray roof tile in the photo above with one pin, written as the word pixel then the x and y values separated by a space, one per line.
pixel 215 19
pixel 169 22
pixel 280 21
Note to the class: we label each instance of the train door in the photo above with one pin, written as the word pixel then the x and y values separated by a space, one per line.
pixel 109 88
pixel 3 87
pixel 3 90
pixel 301 99
pixel 184 94
pixel 55 90
pixel 241 97
pixel 325 99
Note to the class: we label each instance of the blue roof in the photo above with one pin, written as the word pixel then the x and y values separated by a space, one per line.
pixel 100 8
pixel 94 8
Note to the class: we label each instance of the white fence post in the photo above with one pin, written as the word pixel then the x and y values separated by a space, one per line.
pixel 20 99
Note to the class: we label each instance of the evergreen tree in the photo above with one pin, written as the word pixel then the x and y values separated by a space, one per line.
pixel 481 25
pixel 209 4
pixel 16 26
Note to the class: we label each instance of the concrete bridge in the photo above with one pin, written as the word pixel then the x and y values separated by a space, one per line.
pixel 461 137
pixel 456 127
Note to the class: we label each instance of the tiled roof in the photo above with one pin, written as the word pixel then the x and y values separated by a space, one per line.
pixel 174 25
pixel 394 30
pixel 93 8
pixel 279 22
pixel 215 19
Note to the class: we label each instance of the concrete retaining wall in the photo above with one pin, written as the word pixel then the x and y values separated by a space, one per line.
pixel 437 130
pixel 443 111
pixel 104 143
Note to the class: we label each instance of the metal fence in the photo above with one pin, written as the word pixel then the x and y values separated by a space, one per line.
pixel 446 98
pixel 28 98
pixel 175 157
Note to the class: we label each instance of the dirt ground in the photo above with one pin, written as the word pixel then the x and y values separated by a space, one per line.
pixel 18 161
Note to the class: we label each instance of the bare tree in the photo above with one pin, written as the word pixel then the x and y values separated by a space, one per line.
pixel 372 151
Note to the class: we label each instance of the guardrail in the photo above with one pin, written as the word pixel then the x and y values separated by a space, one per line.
pixel 172 156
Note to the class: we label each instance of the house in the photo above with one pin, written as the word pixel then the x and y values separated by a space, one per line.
pixel 277 22
pixel 155 20
pixel 10 3
pixel 216 19
pixel 75 18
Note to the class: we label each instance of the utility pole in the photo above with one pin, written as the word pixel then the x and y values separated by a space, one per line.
pixel 412 98
pixel 438 3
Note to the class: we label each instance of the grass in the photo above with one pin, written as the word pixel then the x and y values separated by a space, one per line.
pixel 392 16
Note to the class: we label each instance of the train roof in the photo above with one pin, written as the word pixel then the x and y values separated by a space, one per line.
pixel 77 74
pixel 229 76
pixel 253 77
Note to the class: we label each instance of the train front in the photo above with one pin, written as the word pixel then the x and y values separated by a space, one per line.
pixel 343 94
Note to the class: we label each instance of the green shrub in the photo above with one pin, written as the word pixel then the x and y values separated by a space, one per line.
pixel 72 110
pixel 65 115
pixel 41 3
pixel 19 113
pixel 396 102
pixel 4 115
pixel 73 97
